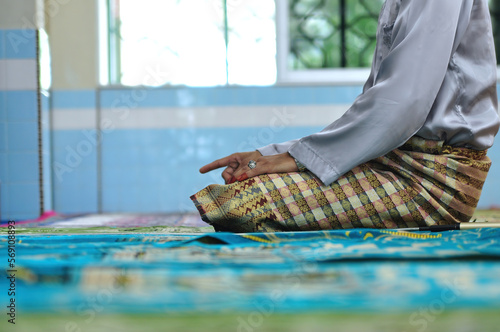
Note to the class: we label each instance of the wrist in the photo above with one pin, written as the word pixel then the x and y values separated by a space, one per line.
pixel 301 167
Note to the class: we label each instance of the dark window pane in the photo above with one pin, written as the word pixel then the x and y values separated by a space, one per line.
pixel 341 33
pixel 495 17
pixel 332 33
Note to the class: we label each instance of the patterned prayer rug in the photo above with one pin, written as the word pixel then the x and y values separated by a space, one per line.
pixel 81 275
pixel 360 270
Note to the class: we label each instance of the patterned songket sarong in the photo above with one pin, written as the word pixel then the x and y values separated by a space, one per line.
pixel 422 183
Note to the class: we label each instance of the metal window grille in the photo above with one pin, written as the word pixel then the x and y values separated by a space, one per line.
pixel 332 33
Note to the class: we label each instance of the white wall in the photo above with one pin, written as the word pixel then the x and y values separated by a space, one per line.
pixel 21 14
pixel 72 26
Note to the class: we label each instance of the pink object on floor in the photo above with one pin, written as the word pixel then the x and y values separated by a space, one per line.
pixel 44 216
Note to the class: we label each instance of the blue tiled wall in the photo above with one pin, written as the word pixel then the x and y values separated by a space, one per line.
pixel 2 44
pixel 137 169
pixel 73 99
pixel 19 175
pixel 20 44
pixel 156 170
pixel 74 174
pixel 46 151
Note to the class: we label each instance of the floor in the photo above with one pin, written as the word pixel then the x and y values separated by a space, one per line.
pixel 127 272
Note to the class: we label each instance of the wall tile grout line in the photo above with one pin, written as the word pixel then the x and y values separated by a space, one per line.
pixel 98 151
pixel 51 146
pixel 40 129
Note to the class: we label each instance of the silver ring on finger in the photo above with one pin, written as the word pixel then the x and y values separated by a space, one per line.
pixel 252 164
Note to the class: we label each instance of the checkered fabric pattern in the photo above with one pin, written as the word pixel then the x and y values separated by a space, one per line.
pixel 422 183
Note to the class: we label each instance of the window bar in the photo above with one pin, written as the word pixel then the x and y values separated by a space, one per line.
pixel 114 52
pixel 41 191
pixel 226 39
pixel 343 28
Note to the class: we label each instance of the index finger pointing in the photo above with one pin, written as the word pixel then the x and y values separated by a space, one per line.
pixel 223 162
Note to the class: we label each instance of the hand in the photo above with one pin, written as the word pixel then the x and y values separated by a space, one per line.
pixel 232 163
pixel 237 165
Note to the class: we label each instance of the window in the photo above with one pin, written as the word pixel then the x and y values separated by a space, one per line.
pixel 320 39
pixel 495 17
pixel 332 34
pixel 244 42
pixel 192 42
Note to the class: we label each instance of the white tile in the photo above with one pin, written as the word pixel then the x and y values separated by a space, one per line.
pixel 21 74
pixel 73 119
pixel 3 75
pixel 273 118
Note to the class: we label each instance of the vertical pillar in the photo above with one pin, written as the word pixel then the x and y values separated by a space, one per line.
pixel 343 29
pixel 24 125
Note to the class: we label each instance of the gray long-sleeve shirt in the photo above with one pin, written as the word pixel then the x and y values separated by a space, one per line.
pixel 433 75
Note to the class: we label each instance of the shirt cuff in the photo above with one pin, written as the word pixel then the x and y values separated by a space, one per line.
pixel 273 149
pixel 314 163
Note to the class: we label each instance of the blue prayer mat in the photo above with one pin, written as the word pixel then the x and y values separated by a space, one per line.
pixel 362 269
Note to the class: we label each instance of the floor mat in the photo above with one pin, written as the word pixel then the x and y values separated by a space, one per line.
pixel 102 272
pixel 288 272
pixel 54 220
pixel 52 223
